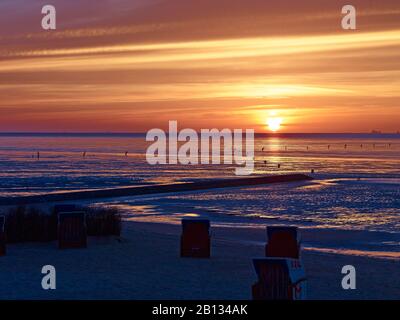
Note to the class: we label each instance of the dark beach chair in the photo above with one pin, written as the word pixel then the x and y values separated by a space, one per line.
pixel 72 230
pixel 279 279
pixel 282 242
pixel 195 238
pixel 2 236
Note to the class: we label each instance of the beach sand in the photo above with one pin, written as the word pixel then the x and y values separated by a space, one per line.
pixel 145 264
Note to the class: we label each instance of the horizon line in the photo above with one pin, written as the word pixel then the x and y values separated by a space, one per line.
pixel 142 133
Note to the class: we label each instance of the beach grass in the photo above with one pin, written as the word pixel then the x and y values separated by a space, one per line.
pixel 32 224
pixel 103 221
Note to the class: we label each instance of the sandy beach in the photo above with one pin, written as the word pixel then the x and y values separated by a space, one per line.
pixel 145 264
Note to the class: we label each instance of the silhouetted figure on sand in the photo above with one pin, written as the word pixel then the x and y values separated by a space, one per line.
pixel 279 165
pixel 345 146
pixel 126 153
pixel 84 154
pixel 312 170
pixel 38 155
pixel 329 146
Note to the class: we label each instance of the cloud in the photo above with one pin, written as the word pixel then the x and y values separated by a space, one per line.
pixel 134 63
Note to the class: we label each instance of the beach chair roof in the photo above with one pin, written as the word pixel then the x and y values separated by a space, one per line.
pixel 277 229
pixel 187 221
pixel 273 229
pixel 73 214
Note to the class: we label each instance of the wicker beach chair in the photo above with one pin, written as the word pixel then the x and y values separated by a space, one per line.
pixel 195 238
pixel 279 279
pixel 3 250
pixel 282 242
pixel 72 230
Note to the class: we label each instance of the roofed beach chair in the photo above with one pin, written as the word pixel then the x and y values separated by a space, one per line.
pixel 2 236
pixel 282 242
pixel 279 279
pixel 52 221
pixel 72 230
pixel 195 238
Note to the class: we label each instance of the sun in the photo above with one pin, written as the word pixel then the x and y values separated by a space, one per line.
pixel 274 123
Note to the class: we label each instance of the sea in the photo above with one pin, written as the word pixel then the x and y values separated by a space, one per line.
pixel 356 182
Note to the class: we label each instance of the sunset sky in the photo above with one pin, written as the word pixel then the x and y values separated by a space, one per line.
pixel 132 65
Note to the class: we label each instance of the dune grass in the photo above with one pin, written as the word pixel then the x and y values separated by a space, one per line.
pixel 31 224
pixel 103 221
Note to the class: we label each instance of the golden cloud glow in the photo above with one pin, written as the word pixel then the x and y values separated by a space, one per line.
pixel 207 50
pixel 138 75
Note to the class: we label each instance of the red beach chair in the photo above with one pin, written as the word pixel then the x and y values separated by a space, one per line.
pixel 279 279
pixel 3 250
pixel 195 238
pixel 282 242
pixel 72 230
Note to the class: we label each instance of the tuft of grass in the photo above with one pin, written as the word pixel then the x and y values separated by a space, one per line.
pixel 30 224
pixel 103 221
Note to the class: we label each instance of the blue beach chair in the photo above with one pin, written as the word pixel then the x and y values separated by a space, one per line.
pixel 279 279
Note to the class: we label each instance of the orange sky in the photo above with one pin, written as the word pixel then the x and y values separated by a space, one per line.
pixel 132 65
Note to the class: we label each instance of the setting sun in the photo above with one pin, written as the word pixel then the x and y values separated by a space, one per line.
pixel 274 124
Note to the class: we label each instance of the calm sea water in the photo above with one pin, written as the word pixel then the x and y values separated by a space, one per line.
pixel 357 176
pixel 62 166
